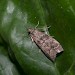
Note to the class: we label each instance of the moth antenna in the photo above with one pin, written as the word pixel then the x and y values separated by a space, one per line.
pixel 37 25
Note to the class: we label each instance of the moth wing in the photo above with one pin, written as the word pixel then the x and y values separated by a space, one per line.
pixel 52 54
pixel 58 48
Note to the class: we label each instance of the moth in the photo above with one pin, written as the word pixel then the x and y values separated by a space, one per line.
pixel 49 46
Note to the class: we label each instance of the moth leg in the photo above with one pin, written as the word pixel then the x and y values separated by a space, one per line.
pixel 32 42
pixel 32 39
pixel 48 27
pixel 52 36
pixel 46 31
pixel 32 45
pixel 39 50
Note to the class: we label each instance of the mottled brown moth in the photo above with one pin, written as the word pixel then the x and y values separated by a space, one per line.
pixel 46 43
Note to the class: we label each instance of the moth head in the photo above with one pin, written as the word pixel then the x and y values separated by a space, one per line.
pixel 30 31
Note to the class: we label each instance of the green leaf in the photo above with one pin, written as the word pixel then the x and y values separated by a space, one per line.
pixel 17 16
pixel 6 66
pixel 61 18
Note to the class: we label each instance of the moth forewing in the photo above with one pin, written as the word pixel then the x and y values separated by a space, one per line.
pixel 46 43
